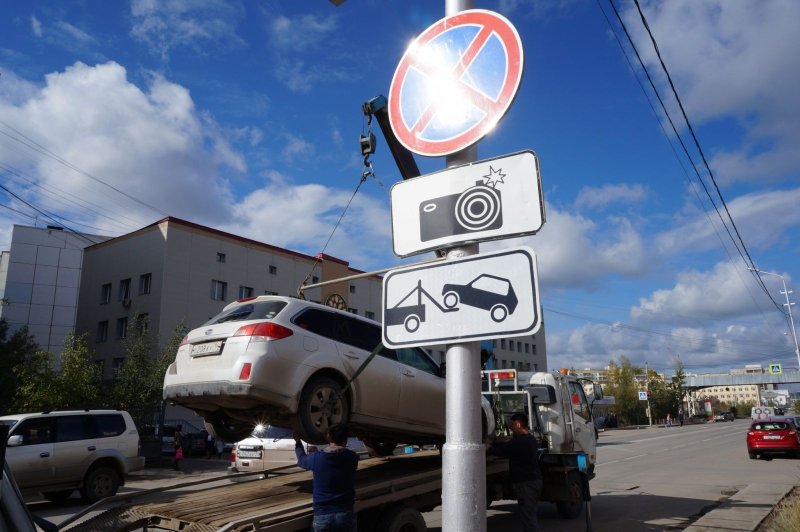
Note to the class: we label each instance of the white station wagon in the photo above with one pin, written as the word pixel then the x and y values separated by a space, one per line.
pixel 289 362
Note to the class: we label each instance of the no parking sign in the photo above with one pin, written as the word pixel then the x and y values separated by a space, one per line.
pixel 455 82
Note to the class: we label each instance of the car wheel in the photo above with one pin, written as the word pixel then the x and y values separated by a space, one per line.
pixel 322 404
pixel 56 496
pixel 380 447
pixel 412 323
pixel 498 313
pixel 450 300
pixel 100 482
pixel 222 429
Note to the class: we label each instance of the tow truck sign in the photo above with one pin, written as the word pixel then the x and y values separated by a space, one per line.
pixel 480 297
pixel 484 200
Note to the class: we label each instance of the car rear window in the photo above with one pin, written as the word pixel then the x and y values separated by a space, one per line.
pixel 259 310
pixel 108 425
pixel 771 425
pixel 270 432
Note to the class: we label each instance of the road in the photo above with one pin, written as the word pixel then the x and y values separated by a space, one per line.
pixel 648 479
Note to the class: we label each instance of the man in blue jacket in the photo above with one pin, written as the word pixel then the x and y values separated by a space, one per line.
pixel 523 465
pixel 334 470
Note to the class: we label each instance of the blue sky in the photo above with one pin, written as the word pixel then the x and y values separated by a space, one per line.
pixel 245 116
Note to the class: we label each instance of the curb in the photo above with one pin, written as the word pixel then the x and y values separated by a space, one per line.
pixel 745 510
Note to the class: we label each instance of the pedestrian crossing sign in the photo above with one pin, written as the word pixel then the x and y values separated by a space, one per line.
pixel 775 369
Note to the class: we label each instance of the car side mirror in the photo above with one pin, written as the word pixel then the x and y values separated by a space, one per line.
pixel 15 440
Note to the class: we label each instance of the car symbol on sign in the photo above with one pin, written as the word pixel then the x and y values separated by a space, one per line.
pixel 487 292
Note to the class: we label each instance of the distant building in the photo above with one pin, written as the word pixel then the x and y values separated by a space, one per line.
pixel 39 281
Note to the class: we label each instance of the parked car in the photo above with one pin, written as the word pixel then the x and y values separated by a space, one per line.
pixel 270 446
pixel 289 362
pixel 768 437
pixel 724 416
pixel 56 453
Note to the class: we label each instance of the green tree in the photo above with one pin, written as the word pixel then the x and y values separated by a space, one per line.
pixel 623 386
pixel 15 349
pixel 75 386
pixel 140 379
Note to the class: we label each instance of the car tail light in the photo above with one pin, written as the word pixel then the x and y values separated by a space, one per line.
pixel 264 331
pixel 244 375
pixel 246 299
pixel 233 454
pixel 751 433
pixel 184 341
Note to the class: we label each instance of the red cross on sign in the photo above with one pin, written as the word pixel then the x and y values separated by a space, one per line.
pixel 455 82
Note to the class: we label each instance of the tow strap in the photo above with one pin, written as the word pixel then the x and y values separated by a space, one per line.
pixel 363 365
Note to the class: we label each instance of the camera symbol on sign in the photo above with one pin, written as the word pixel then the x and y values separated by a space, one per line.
pixel 478 208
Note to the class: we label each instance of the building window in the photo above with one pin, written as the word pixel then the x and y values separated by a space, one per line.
pixel 352 310
pixel 352 289
pixel 314 280
pixel 370 315
pixel 273 270
pixel 220 257
pixel 124 289
pixel 245 291
pixel 143 323
pixel 502 343
pixel 271 293
pixel 536 367
pixel 145 281
pixel 122 328
pixel 105 294
pixel 527 349
pixel 533 349
pixel 219 290
pixel 102 331
pixel 117 364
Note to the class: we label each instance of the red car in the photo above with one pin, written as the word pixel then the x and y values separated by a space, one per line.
pixel 768 437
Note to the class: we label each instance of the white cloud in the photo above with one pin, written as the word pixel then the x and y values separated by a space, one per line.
pixel 603 196
pixel 75 33
pixel 751 48
pixel 297 147
pixel 176 23
pixel 36 26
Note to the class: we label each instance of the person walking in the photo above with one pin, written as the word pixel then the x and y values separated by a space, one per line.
pixel 209 446
pixel 522 452
pixel 178 442
pixel 669 420
pixel 334 474
pixel 220 446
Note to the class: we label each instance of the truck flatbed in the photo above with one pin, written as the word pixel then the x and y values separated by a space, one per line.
pixel 279 502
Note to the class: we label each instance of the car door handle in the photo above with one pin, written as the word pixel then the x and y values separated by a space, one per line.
pixel 44 454
pixel 408 373
pixel 352 355
pixel 91 448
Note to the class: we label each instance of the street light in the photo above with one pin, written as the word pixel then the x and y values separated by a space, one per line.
pixel 788 305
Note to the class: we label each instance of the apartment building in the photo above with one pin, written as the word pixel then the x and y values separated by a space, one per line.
pixel 177 272
pixel 39 282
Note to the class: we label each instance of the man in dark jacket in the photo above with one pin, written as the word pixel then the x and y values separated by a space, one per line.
pixel 334 470
pixel 523 463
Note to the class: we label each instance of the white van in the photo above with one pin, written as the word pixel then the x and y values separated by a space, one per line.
pixel 762 412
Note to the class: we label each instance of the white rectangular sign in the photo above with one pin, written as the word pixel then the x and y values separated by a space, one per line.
pixel 485 200
pixel 643 396
pixel 479 297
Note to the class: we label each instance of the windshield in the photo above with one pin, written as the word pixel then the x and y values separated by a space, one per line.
pixel 8 422
pixel 252 310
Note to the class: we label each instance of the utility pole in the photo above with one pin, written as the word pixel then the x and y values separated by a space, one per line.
pixel 788 306
pixel 647 389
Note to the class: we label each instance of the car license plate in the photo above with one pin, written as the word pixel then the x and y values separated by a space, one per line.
pixel 207 348
pixel 772 437
pixel 248 454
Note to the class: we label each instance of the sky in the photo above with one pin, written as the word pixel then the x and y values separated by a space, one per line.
pixel 245 116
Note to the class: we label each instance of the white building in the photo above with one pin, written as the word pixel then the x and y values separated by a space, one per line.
pixel 39 279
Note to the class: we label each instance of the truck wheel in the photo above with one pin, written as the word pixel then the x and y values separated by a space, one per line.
pixel 322 404
pixel 412 323
pixel 380 447
pixel 57 496
pixel 399 518
pixel 571 508
pixel 100 482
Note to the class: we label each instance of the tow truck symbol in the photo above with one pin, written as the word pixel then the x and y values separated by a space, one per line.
pixel 487 292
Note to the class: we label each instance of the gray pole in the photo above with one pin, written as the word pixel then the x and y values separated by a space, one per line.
pixel 463 456
pixel 788 306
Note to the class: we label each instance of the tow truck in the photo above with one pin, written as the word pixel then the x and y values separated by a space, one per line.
pixel 391 492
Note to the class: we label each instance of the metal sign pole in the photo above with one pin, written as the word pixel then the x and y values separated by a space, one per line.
pixel 463 457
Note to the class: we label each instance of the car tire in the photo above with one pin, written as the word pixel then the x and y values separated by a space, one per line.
pixel 100 482
pixel 498 313
pixel 57 496
pixel 221 429
pixel 322 404
pixel 450 300
pixel 380 448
